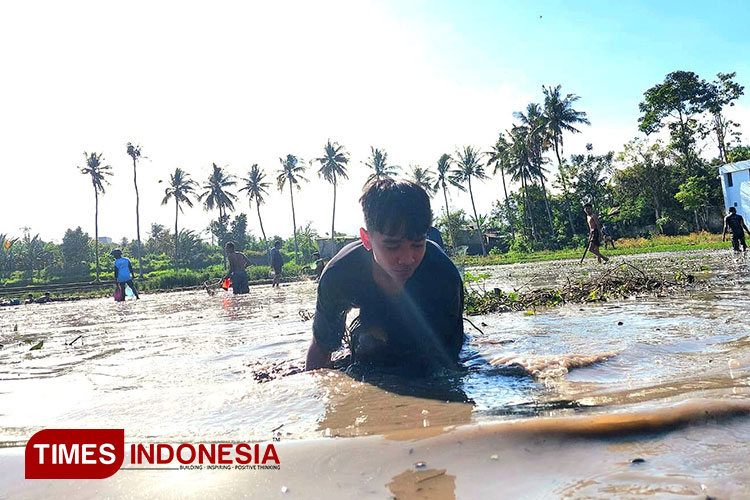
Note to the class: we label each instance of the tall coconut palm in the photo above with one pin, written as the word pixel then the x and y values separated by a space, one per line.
pixel 217 195
pixel 424 178
pixel 181 188
pixel 468 165
pixel 520 170
pixel 445 176
pixel 98 173
pixel 135 153
pixel 538 141
pixel 256 189
pixel 291 171
pixel 500 157
pixel 332 168
pixel 378 162
pixel 562 117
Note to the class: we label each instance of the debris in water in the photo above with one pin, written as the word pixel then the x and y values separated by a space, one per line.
pixel 76 339
pixel 420 465
pixel 284 489
pixel 493 457
pixel 638 461
pixel 37 346
pixel 620 323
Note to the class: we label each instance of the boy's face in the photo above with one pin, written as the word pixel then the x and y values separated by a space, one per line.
pixel 398 256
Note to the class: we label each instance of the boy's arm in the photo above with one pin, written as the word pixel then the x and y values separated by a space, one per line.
pixel 115 273
pixel 130 268
pixel 246 260
pixel 329 323
pixel 724 231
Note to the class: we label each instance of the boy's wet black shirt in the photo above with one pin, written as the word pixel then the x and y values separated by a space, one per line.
pixel 423 322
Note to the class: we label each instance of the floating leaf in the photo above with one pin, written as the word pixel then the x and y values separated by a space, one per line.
pixel 37 346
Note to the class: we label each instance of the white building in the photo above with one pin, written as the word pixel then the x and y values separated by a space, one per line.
pixel 735 183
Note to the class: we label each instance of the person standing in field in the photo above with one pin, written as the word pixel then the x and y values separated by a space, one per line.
pixel 595 234
pixel 237 264
pixel 123 273
pixel 277 262
pixel 736 225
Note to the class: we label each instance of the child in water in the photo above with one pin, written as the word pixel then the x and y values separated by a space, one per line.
pixel 123 273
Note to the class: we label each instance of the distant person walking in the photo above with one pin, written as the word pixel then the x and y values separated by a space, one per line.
pixel 123 273
pixel 277 261
pixel 736 225
pixel 595 234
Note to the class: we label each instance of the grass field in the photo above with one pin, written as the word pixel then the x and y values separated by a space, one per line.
pixel 624 246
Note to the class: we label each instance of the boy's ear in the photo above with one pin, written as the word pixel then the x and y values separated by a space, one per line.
pixel 365 239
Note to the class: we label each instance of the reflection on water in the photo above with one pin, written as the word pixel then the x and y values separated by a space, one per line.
pixel 178 366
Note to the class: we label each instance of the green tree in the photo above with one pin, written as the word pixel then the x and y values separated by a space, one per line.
pixel 694 195
pixel 98 174
pixel 332 168
pixel 217 195
pixel 538 140
pixel 738 153
pixel 468 165
pixel 238 233
pixel 500 157
pixel 181 188
pixel 291 172
pixel 159 240
pixel 256 189
pixel 562 117
pixel 520 171
pixel 445 176
pixel 722 92
pixel 76 252
pixel 135 153
pixel 378 162
pixel 647 173
pixel 677 103
pixel 424 178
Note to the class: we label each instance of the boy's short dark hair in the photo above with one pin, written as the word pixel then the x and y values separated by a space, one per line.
pixel 733 210
pixel 588 205
pixel 391 207
pixel 277 243
pixel 229 245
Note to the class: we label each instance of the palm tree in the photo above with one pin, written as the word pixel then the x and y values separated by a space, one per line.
pixel 135 153
pixel 181 187
pixel 423 177
pixel 378 162
pixel 446 176
pixel 292 170
pixel 98 173
pixel 500 156
pixel 520 170
pixel 332 167
pixel 216 194
pixel 561 117
pixel 538 141
pixel 469 165
pixel 256 190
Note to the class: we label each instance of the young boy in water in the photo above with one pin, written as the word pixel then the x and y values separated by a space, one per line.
pixel 594 232
pixel 409 293
pixel 123 273
pixel 237 264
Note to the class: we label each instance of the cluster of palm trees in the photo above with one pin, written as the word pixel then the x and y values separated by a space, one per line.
pixel 518 152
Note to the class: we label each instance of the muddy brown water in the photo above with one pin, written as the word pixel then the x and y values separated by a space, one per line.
pixel 180 367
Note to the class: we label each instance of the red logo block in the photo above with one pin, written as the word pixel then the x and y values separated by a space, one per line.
pixel 74 453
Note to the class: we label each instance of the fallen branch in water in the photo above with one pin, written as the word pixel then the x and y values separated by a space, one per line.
pixel 618 282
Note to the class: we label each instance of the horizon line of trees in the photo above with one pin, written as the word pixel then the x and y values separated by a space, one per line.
pixel 664 182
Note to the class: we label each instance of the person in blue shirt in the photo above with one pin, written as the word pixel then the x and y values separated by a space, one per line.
pixel 123 272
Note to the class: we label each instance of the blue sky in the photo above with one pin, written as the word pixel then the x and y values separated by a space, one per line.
pixel 238 83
